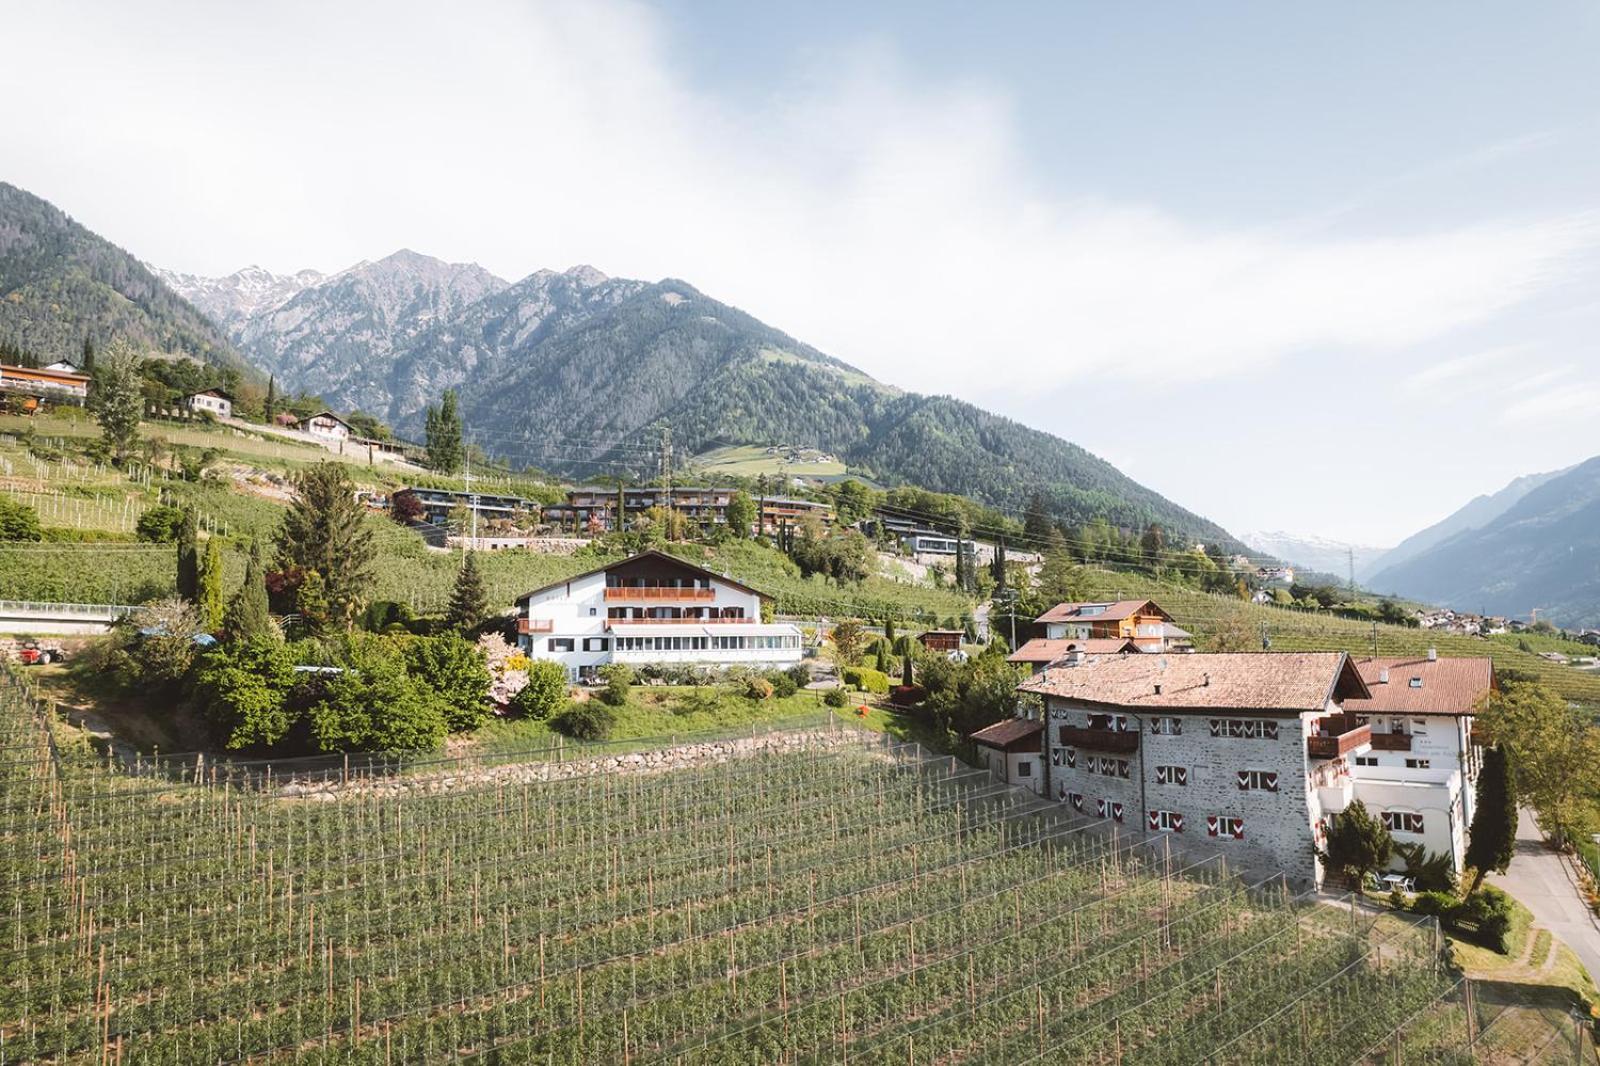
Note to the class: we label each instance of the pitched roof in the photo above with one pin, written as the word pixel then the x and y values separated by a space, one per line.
pixel 647 553
pixel 1419 686
pixel 1045 650
pixel 1108 612
pixel 1008 734
pixel 1281 681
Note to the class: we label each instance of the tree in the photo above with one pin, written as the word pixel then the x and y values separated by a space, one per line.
pixel 1060 579
pixel 86 364
pixel 372 703
pixel 907 676
pixel 619 679
pixel 1555 752
pixel 325 532
pixel 849 641
pixel 245 688
pixel 1494 821
pixel 1036 524
pixel 160 524
pixel 269 406
pixel 1358 844
pixel 1153 545
pixel 469 603
pixel 443 431
pixel 742 515
pixel 189 559
pixel 210 599
pixel 405 508
pixel 116 398
pixel 18 521
pixel 852 501
pixel 546 690
pixel 888 631
pixel 163 639
pixel 248 617
pixel 998 567
pixel 458 675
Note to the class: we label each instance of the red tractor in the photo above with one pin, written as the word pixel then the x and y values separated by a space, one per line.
pixel 35 654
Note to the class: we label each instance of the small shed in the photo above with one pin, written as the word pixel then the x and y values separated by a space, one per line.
pixel 1012 750
pixel 941 639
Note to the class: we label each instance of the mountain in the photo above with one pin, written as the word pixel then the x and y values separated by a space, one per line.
pixel 240 296
pixel 579 373
pixel 1542 552
pixel 60 283
pixel 1321 554
pixel 1478 513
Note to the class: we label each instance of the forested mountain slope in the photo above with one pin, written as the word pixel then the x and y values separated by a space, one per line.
pixel 61 283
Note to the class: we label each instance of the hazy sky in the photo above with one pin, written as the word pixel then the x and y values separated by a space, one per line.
pixel 1331 270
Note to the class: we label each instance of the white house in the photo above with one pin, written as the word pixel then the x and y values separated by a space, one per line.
pixel 214 401
pixel 327 426
pixel 1010 749
pixel 652 608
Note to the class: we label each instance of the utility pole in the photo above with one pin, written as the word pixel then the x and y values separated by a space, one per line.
pixel 761 506
pixel 1352 552
pixel 666 472
pixel 472 497
pixel 1374 640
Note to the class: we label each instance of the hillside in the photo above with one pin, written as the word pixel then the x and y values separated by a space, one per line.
pixel 578 373
pixel 1479 512
pixel 1542 553
pixel 61 283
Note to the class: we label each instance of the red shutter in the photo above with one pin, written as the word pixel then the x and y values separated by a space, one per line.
pixel 1244 780
pixel 1211 825
pixel 1155 820
pixel 1116 811
pixel 1238 829
pixel 1272 782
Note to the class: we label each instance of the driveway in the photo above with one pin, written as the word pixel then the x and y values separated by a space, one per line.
pixel 1543 881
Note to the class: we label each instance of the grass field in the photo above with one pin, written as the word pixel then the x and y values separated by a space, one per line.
pixel 837 900
pixel 752 460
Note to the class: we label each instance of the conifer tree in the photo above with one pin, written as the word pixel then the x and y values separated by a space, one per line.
pixel 249 617
pixel 88 355
pixel 443 427
pixel 210 581
pixel 270 405
pixel 469 603
pixel 325 532
pixel 188 559
pixel 1494 821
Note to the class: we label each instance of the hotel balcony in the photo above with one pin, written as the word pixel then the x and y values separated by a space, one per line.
pixel 531 625
pixel 1337 735
pixel 1391 742
pixel 657 593
pixel 1100 739
pixel 677 621
pixel 1336 798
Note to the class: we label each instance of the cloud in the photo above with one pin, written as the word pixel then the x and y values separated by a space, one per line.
pixel 891 221
pixel 1556 405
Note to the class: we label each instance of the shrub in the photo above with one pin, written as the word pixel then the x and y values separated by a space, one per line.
pixel 18 521
pixel 373 704
pixel 160 525
pixel 907 695
pixel 618 678
pixel 783 686
pixel 757 688
pixel 867 680
pixel 1501 923
pixel 245 688
pixel 836 697
pixel 457 674
pixel 589 720
pixel 545 691
pixel 801 673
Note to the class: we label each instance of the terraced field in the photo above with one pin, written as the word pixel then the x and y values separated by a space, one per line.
pixel 835 900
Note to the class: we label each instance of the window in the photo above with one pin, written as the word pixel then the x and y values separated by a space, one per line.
pixel 1225 826
pixel 1076 799
pixel 1167 727
pixel 1366 760
pixel 1258 780
pixel 1166 822
pixel 1025 769
pixel 560 644
pixel 1402 822
pixel 594 643
pixel 1245 728
pixel 1106 766
pixel 1172 775
pixel 1417 764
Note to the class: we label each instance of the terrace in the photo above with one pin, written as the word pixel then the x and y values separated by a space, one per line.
pixel 1121 742
pixel 1336 735
pixel 659 592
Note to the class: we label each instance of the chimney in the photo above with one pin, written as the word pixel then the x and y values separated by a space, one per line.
pixel 1433 655
pixel 1383 676
pixel 1158 688
pixel 1205 680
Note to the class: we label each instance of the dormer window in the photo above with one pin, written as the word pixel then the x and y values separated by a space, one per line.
pixel 1416 682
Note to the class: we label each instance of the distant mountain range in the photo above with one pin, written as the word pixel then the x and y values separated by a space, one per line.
pixel 61 284
pixel 1320 554
pixel 578 373
pixel 1532 546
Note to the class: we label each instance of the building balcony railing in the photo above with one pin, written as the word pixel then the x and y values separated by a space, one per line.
pixel 535 625
pixel 1100 739
pixel 658 592
pixel 1336 735
pixel 1391 742
pixel 676 621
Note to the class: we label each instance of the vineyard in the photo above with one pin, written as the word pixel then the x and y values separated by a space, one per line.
pixel 834 898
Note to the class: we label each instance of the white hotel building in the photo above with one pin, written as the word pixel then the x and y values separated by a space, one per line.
pixel 1255 753
pixel 652 609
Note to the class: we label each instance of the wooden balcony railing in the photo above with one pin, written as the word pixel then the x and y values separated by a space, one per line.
pixel 676 621
pixel 529 625
pixel 1100 739
pixel 658 592
pixel 1391 742
pixel 1338 735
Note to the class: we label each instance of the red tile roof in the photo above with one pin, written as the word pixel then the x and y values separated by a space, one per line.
pixel 1045 650
pixel 1011 734
pixel 1073 612
pixel 1447 686
pixel 1263 681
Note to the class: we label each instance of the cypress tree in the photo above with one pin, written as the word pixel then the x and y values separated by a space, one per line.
pixel 888 631
pixel 999 566
pixel 210 581
pixel 1494 821
pixel 188 559
pixel 906 670
pixel 249 617
pixel 269 406
pixel 325 531
pixel 88 355
pixel 469 603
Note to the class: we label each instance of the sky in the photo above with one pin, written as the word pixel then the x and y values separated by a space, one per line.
pixel 1328 269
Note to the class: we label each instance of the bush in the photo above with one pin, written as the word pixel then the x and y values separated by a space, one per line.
pixel 545 691
pixel 618 678
pixel 907 695
pixel 589 720
pixel 836 697
pixel 160 525
pixel 18 521
pixel 783 686
pixel 1488 916
pixel 373 704
pixel 1438 904
pixel 801 673
pixel 245 688
pixel 757 688
pixel 456 673
pixel 867 680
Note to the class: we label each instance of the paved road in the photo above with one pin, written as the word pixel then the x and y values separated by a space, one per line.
pixel 1541 879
